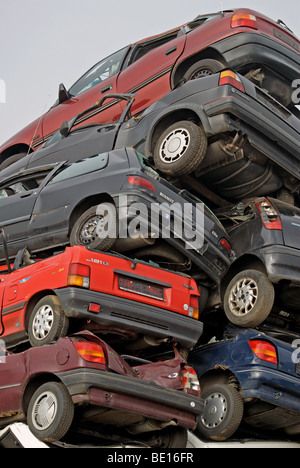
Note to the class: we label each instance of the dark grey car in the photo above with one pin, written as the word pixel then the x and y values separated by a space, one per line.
pixel 224 137
pixel 114 201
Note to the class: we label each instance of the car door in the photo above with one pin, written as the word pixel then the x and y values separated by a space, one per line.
pixel 100 80
pixel 17 199
pixel 12 374
pixel 148 69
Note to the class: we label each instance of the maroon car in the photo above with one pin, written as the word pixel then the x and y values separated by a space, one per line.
pixel 81 381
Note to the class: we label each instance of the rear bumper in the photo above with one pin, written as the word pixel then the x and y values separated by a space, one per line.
pixel 282 263
pixel 272 386
pixel 137 396
pixel 130 315
pixel 244 48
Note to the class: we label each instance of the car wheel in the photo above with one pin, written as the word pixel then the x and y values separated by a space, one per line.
pixel 97 227
pixel 11 159
pixel 50 412
pixel 203 68
pixel 223 412
pixel 172 437
pixel 249 298
pixel 180 149
pixel 47 322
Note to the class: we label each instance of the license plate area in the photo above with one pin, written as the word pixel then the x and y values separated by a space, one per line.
pixel 140 287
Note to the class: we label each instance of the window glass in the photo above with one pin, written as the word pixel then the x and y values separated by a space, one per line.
pixel 84 166
pixel 145 48
pixel 99 72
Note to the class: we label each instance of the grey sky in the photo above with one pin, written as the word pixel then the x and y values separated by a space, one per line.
pixel 46 42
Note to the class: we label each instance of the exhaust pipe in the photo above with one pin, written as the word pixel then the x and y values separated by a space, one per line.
pixel 150 425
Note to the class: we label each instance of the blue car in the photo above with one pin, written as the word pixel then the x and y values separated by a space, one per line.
pixel 250 375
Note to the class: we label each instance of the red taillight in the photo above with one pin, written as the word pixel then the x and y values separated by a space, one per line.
pixel 194 307
pixel 264 350
pixel 269 215
pixel 224 243
pixel 228 77
pixel 79 275
pixel 91 352
pixel 141 182
pixel 190 380
pixel 243 20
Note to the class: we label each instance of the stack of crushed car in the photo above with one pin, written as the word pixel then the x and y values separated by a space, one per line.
pixel 150 241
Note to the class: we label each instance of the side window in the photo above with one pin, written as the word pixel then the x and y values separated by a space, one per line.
pixel 142 49
pixel 100 72
pixel 22 184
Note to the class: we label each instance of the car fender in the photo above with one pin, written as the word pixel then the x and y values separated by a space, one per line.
pixel 169 112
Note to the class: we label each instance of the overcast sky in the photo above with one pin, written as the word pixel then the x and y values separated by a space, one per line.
pixel 46 42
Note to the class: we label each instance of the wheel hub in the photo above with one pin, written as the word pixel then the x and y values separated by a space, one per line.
pixel 43 322
pixel 243 297
pixel 215 409
pixel 91 229
pixel 44 411
pixel 174 145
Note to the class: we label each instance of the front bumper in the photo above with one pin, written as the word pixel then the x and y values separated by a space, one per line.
pixel 130 315
pixel 134 395
pixel 282 263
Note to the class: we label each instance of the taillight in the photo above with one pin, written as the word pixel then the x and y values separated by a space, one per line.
pixel 79 275
pixel 91 352
pixel 244 20
pixel 264 350
pixel 141 182
pixel 228 77
pixel 226 245
pixel 269 215
pixel 194 307
pixel 190 380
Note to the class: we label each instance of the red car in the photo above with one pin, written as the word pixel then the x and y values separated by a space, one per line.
pixel 82 373
pixel 106 293
pixel 264 51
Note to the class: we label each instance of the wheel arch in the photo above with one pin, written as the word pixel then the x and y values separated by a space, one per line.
pixel 245 262
pixel 163 121
pixel 33 301
pixel 181 67
pixel 85 204
pixel 15 149
pixel 220 374
pixel 33 384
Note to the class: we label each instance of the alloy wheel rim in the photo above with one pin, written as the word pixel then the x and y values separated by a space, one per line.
pixel 174 145
pixel 201 73
pixel 43 322
pixel 215 410
pixel 44 411
pixel 91 229
pixel 243 297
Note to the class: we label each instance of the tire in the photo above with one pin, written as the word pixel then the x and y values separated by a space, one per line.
pixel 180 149
pixel 11 159
pixel 50 412
pixel 203 68
pixel 223 412
pixel 47 322
pixel 97 227
pixel 249 298
pixel 172 437
pixel 164 255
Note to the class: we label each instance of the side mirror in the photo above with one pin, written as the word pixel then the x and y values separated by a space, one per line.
pixel 64 129
pixel 63 94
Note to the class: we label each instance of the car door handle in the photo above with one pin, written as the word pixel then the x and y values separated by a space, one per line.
pixel 171 51
pixel 107 88
pixel 24 195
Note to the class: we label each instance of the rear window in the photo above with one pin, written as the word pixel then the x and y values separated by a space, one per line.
pixel 81 167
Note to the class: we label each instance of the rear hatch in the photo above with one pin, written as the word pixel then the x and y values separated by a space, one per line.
pixel 290 218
